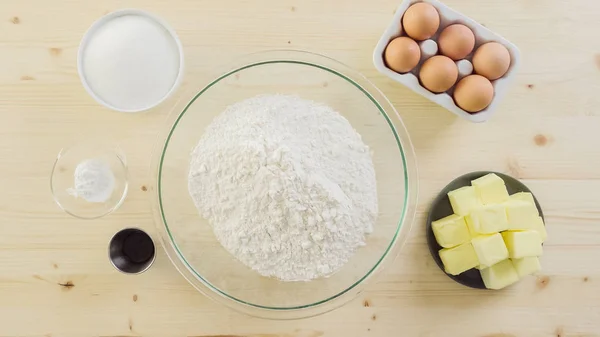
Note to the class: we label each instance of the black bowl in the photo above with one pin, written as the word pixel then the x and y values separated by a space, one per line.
pixel 441 208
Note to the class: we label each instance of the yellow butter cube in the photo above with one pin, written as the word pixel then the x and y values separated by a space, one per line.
pixel 490 189
pixel 521 214
pixel 500 275
pixel 487 219
pixel 527 265
pixel 451 231
pixel 538 226
pixel 459 259
pixel 522 243
pixel 463 200
pixel 471 226
pixel 490 249
pixel 523 196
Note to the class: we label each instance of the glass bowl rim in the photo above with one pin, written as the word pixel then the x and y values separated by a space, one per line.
pixel 298 58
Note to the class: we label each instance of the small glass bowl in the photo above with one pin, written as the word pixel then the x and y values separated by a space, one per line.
pixel 62 179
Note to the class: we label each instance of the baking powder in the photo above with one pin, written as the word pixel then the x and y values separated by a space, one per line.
pixel 93 181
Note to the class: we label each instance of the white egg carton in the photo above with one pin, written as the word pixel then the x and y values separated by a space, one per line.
pixel 448 16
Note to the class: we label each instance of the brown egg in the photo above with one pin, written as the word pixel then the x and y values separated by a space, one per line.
pixel 421 21
pixel 402 54
pixel 456 41
pixel 438 74
pixel 491 60
pixel 473 93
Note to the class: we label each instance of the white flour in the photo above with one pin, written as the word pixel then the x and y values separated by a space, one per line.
pixel 287 185
pixel 93 181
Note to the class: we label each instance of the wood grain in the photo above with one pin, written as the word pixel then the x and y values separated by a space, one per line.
pixel 55 279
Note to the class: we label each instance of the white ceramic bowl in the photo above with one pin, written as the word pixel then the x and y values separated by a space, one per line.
pixel 102 21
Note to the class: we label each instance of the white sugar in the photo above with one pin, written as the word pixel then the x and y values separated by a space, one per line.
pixel 130 62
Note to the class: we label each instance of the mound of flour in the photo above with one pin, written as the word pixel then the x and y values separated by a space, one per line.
pixel 287 185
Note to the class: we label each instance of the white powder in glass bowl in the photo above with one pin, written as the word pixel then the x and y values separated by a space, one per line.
pixel 93 181
pixel 287 185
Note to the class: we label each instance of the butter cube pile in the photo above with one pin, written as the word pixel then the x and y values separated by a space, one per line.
pixel 499 234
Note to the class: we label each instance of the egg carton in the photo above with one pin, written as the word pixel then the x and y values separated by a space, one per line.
pixel 448 16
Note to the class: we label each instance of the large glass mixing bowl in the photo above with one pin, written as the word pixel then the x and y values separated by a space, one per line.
pixel 188 238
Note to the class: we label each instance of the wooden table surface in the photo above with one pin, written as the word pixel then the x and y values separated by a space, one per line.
pixel 55 279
